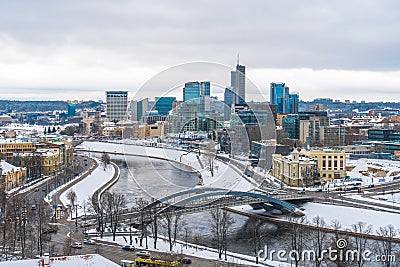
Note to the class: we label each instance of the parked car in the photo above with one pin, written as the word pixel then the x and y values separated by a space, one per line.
pixel 185 260
pixel 371 185
pixel 302 192
pixel 76 245
pixel 273 192
pixel 143 253
pixel 128 247
pixel 89 241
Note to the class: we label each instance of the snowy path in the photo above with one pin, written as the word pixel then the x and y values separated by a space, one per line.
pixel 88 186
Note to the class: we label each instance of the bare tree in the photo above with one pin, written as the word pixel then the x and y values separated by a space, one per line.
pixel 114 204
pixel 360 229
pixel 71 196
pixel 220 222
pixel 105 160
pixel 386 246
pixel 210 156
pixel 337 236
pixel 171 223
pixel 298 238
pixel 139 205
pixel 310 175
pixel 318 238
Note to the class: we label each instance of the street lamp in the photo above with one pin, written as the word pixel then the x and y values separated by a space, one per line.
pixel 24 216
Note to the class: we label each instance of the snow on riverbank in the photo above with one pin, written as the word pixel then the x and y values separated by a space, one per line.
pixel 224 175
pixel 347 216
pixel 88 186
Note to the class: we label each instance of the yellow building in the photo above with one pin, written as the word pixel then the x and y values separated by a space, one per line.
pixel 12 176
pixel 9 146
pixel 331 163
pixel 294 170
pixel 150 131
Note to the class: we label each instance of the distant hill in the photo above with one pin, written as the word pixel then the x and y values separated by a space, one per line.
pixel 41 106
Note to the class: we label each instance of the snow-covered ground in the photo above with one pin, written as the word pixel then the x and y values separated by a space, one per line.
pixel 77 261
pixel 193 250
pixel 224 175
pixel 347 216
pixel 390 167
pixel 88 186
pixel 378 199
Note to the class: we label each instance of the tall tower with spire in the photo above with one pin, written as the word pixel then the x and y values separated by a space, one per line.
pixel 238 83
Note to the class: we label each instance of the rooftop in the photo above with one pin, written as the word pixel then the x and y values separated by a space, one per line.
pixel 66 261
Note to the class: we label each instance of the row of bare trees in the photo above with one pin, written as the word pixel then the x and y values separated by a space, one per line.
pixel 300 238
pixel 24 232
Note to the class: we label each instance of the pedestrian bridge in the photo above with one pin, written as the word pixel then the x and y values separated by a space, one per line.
pixel 205 199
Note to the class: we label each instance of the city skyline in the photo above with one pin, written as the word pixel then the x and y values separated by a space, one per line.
pixel 319 48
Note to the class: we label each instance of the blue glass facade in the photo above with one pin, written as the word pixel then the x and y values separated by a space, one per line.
pixel 193 90
pixel 71 110
pixel 164 105
pixel 285 102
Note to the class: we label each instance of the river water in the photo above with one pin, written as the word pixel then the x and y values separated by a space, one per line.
pixel 151 178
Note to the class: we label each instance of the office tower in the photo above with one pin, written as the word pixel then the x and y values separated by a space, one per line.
pixel 293 107
pixel 238 84
pixel 117 105
pixel 191 91
pixel 194 90
pixel 71 110
pixel 205 88
pixel 285 102
pixel 279 95
pixel 163 105
pixel 139 108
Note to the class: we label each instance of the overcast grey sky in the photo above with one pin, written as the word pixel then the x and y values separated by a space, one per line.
pixel 77 49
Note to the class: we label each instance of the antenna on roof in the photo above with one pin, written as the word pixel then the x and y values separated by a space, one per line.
pixel 237 59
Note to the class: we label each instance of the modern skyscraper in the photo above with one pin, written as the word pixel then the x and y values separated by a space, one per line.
pixel 71 110
pixel 285 103
pixel 238 83
pixel 293 107
pixel 193 90
pixel 117 105
pixel 163 105
pixel 205 88
pixel 139 109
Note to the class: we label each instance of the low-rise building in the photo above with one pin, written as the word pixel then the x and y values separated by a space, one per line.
pixel 294 170
pixel 331 163
pixel 12 176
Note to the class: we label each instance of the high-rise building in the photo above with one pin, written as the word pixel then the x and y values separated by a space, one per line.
pixel 238 84
pixel 293 107
pixel 194 90
pixel 285 102
pixel 163 105
pixel 279 94
pixel 71 110
pixel 139 108
pixel 191 91
pixel 205 88
pixel 117 105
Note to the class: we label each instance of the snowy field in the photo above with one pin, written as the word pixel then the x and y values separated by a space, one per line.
pixel 88 186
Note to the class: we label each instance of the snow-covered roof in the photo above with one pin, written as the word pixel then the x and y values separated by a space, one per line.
pixel 66 261
pixel 6 167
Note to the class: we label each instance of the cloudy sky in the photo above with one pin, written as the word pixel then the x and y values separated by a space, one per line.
pixel 78 49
